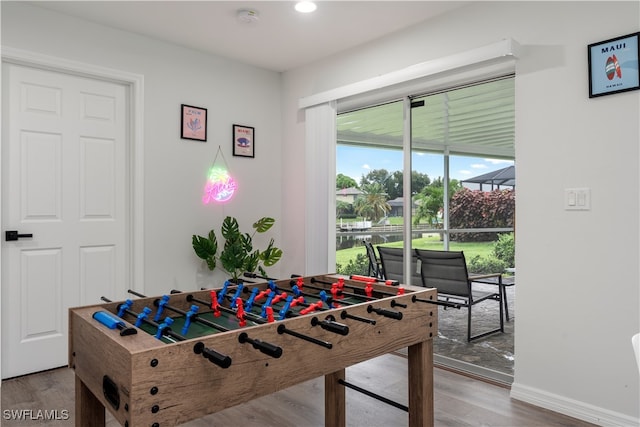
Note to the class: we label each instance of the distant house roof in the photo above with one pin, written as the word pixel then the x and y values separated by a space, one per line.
pixel 351 191
pixel 398 201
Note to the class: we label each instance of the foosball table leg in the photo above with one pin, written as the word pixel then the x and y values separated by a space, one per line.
pixel 89 410
pixel 334 400
pixel 421 384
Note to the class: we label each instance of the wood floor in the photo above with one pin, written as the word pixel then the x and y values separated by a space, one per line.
pixel 459 401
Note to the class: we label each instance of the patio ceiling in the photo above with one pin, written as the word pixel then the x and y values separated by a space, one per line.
pixel 478 119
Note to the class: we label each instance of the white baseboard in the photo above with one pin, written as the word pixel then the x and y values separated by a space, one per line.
pixel 469 368
pixel 571 408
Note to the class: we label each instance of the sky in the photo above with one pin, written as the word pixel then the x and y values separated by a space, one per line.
pixel 358 161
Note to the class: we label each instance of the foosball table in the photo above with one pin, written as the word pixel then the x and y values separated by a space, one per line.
pixel 161 361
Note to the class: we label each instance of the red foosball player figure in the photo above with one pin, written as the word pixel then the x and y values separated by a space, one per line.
pixel 269 312
pixel 296 301
pixel 335 292
pixel 240 313
pixel 368 289
pixel 278 298
pixel 214 304
pixel 400 291
pixel 313 307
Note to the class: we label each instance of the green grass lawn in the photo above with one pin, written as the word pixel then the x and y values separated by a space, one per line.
pixel 471 249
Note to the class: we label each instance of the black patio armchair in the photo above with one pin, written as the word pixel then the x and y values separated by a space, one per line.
pixel 392 265
pixel 375 267
pixel 447 272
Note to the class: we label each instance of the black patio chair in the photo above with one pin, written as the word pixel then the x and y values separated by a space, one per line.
pixel 392 265
pixel 447 272
pixel 375 267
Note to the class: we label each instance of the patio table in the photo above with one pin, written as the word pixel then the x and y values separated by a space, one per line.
pixel 501 282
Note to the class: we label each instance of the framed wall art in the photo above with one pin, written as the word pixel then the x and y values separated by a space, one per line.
pixel 244 141
pixel 613 65
pixel 193 123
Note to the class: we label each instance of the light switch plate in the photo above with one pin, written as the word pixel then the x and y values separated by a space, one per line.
pixel 577 199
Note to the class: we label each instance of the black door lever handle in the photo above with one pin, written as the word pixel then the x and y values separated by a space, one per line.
pixel 11 235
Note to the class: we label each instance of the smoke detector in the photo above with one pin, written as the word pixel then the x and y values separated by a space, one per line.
pixel 248 16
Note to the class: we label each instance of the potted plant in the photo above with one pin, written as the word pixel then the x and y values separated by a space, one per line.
pixel 237 255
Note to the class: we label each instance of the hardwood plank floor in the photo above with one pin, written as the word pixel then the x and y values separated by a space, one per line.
pixel 459 401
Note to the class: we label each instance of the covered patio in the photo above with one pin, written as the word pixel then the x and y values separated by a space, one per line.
pixel 492 356
pixel 505 177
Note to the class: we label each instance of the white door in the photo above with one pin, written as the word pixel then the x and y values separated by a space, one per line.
pixel 64 181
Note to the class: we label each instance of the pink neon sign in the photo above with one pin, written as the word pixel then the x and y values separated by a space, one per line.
pixel 220 186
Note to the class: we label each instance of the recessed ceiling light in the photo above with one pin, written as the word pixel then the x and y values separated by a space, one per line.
pixel 305 6
pixel 248 16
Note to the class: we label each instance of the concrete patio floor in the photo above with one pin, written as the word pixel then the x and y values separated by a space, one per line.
pixel 495 351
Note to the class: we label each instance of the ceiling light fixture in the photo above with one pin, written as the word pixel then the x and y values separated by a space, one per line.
pixel 305 6
pixel 248 16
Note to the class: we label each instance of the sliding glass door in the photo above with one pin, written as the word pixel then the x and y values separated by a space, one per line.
pixel 455 136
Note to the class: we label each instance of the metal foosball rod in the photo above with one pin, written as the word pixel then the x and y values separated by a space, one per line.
pixel 293 283
pixel 184 313
pixel 330 324
pixel 253 317
pixel 167 332
pixel 289 301
pixel 211 355
pixel 322 295
pixel 356 278
pixel 314 280
pixel 341 291
pixel 329 301
pixel 360 278
pixel 257 276
pixel 282 329
pixel 384 312
pixel 345 315
pixel 249 315
pixel 262 346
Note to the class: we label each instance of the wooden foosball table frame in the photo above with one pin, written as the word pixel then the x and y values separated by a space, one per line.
pixel 143 381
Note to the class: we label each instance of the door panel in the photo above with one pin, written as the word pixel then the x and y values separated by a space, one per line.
pixel 64 180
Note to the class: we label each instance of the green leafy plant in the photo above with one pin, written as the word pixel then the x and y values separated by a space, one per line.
pixel 504 249
pixel 359 265
pixel 485 265
pixel 237 255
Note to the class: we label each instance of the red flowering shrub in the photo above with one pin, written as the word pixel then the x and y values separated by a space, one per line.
pixel 481 209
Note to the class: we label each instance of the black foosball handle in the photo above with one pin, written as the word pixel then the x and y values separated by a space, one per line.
pixel 264 347
pixel 331 325
pixel 386 313
pixel 212 355
pixel 345 315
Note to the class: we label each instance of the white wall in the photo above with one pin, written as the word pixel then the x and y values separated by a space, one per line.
pixel 578 276
pixel 175 169
pixel 577 282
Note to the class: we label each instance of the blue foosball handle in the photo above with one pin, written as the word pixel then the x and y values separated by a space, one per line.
pixel 112 322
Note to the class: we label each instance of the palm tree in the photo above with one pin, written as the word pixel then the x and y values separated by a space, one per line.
pixel 343 208
pixel 432 200
pixel 372 203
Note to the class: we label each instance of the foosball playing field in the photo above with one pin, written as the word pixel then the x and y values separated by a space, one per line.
pixel 158 361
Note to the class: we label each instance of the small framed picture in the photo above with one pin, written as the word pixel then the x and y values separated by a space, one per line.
pixel 613 65
pixel 193 123
pixel 244 141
